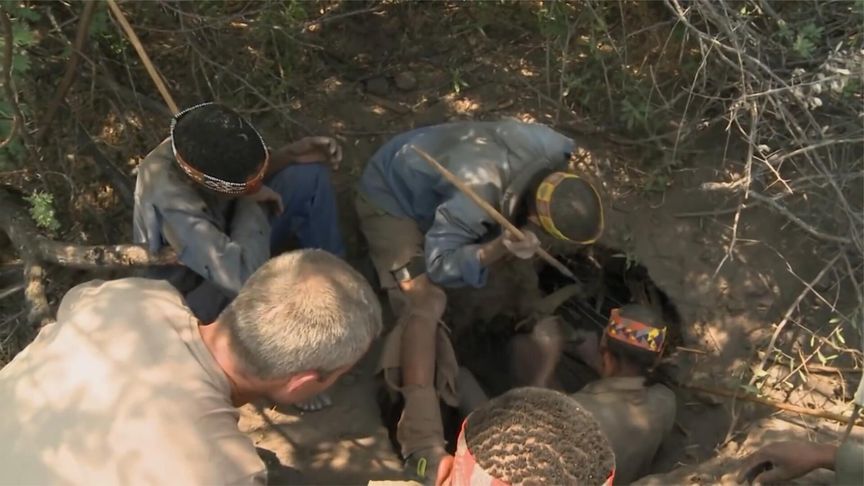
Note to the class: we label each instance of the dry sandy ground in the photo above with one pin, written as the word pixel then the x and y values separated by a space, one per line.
pixel 345 444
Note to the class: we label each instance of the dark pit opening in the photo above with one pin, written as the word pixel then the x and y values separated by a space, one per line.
pixel 611 280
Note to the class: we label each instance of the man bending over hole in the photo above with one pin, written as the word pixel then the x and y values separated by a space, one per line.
pixel 424 234
pixel 129 387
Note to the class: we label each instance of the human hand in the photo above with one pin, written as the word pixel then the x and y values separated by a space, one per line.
pixel 268 197
pixel 781 462
pixel 317 149
pixel 523 249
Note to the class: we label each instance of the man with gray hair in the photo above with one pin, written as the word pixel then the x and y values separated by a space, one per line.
pixel 129 387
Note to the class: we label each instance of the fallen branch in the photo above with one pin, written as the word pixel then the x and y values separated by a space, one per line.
pixel 843 419
pixel 36 250
pixel 34 247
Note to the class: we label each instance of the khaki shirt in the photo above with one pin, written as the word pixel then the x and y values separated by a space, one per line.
pixel 634 418
pixel 121 390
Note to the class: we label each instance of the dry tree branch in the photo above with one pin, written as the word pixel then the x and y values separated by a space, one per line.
pixel 747 181
pixel 33 246
pixel 71 67
pixel 798 221
pixel 770 403
pixel 142 53
pixel 37 250
pixel 769 350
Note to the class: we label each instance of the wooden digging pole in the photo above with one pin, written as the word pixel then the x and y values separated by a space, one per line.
pixel 492 212
pixel 139 48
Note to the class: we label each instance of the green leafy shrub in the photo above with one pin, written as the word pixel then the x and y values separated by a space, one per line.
pixel 42 210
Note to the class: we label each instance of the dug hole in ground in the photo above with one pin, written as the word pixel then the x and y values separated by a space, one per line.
pixel 726 307
pixel 734 271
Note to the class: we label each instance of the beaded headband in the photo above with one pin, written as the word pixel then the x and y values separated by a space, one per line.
pixel 544 212
pixel 635 333
pixel 214 183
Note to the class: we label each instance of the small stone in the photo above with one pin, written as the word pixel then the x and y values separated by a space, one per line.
pixel 406 81
pixel 378 86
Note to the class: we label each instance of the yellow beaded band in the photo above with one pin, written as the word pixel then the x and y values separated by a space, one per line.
pixel 544 212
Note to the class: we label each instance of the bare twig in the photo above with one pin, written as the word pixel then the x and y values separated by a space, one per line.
pixel 11 291
pixel 8 84
pixel 747 180
pixel 715 212
pixel 771 403
pixel 71 68
pixel 142 53
pixel 769 350
pixel 798 221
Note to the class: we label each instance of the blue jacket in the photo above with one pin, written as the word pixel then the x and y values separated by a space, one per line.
pixel 487 156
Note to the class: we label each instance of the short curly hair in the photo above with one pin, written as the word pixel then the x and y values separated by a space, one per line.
pixel 539 436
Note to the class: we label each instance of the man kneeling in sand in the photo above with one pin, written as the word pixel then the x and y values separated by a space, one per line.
pixel 129 387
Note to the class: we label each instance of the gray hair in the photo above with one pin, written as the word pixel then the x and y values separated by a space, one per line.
pixel 306 310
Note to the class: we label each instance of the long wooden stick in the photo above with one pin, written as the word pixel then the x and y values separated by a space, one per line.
pixel 139 48
pixel 771 403
pixel 491 211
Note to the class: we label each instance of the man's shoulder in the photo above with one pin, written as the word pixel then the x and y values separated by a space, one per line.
pixel 160 157
pixel 132 285
pixel 160 183
pixel 125 292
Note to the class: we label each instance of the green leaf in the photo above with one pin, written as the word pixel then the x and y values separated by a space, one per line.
pixel 22 35
pixel 99 23
pixel 20 64
pixel 803 46
pixel 26 13
pixel 834 320
pixel 840 337
pixel 42 210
